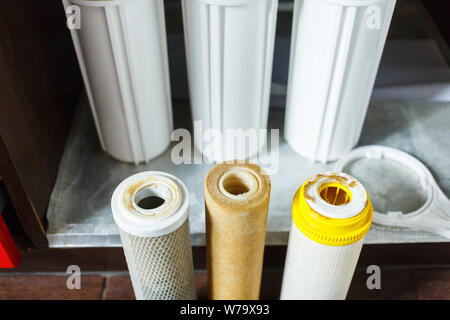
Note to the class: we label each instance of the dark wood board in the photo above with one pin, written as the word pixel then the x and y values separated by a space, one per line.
pixel 40 84
pixel 440 12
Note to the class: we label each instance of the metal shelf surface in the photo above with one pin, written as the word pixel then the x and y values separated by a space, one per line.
pixel 79 212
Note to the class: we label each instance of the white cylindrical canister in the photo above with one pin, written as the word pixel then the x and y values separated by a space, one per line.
pixel 229 48
pixel 122 53
pixel 331 215
pixel 151 210
pixel 335 52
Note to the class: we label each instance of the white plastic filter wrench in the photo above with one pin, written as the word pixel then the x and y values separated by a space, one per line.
pixel 155 235
pixel 229 49
pixel 434 213
pixel 336 48
pixel 122 52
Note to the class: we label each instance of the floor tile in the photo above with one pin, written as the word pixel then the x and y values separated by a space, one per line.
pixel 433 283
pixel 49 288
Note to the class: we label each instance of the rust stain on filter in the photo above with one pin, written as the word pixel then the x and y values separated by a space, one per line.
pixel 127 197
pixel 237 202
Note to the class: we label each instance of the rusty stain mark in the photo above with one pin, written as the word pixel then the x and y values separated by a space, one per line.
pixel 338 178
pixel 335 176
pixel 308 197
pixel 128 194
pixel 309 184
pixel 150 181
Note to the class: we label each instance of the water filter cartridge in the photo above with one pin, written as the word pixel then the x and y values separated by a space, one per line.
pixel 151 210
pixel 237 201
pixel 229 49
pixel 335 52
pixel 331 215
pixel 122 53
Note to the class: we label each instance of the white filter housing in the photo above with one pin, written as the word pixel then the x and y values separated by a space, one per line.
pixel 335 53
pixel 229 47
pixel 151 210
pixel 122 53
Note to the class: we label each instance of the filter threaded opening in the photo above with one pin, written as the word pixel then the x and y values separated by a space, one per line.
pixel 238 184
pixel 151 202
pixel 336 195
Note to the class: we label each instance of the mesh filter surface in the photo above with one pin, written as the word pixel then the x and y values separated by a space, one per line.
pixel 161 268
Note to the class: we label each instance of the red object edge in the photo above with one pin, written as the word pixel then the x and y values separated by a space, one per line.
pixel 9 252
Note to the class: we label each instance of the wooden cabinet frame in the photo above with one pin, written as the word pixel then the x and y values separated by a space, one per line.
pixel 39 87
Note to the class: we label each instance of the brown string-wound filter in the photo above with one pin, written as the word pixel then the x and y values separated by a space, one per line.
pixel 237 201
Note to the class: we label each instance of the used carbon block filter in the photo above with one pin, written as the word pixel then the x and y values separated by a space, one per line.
pixel 229 49
pixel 331 215
pixel 335 53
pixel 237 201
pixel 122 53
pixel 151 210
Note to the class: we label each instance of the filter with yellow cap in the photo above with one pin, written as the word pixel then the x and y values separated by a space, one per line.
pixel 331 215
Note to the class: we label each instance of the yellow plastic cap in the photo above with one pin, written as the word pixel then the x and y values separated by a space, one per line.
pixel 332 209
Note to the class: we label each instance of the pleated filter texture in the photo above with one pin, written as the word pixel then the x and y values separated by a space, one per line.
pixel 161 267
pixel 317 271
